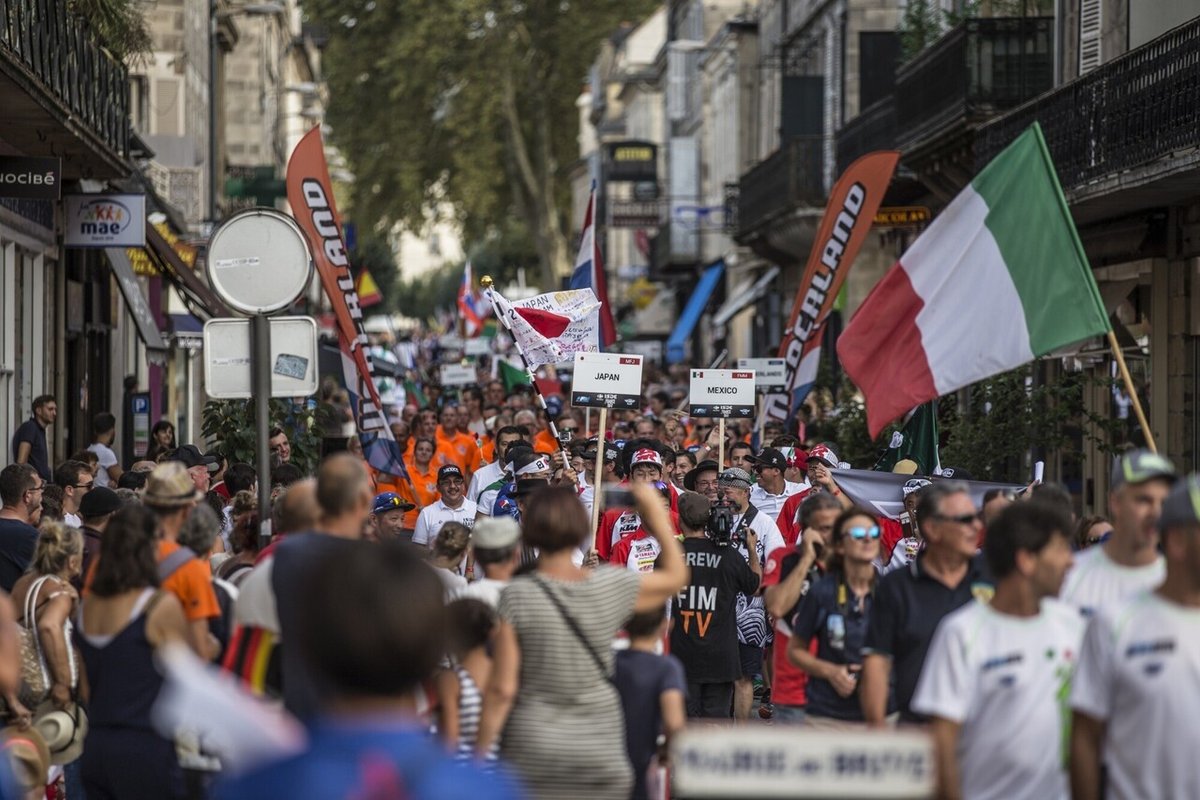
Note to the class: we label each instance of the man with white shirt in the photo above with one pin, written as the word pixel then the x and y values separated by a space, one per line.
pixel 1135 695
pixel 772 489
pixel 753 633
pixel 488 474
pixel 496 544
pixel 452 506
pixel 75 479
pixel 104 430
pixel 996 672
pixel 1129 561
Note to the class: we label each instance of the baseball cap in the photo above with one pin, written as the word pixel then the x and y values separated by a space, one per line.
pixel 495 533
pixel 770 457
pixel 734 478
pixel 1139 466
pixel 1182 506
pixel 99 501
pixel 390 501
pixel 955 473
pixel 707 465
pixel 515 450
pixel 905 466
pixel 915 485
pixel 554 405
pixel 824 453
pixel 449 471
pixel 529 486
pixel 611 451
pixel 190 456
pixel 646 455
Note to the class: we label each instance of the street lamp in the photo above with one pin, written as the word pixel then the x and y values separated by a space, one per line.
pixel 272 8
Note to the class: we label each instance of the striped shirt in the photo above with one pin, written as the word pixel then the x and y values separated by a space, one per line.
pixel 470 709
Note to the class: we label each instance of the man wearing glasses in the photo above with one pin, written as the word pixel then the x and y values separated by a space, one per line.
pixel 772 489
pixel 451 506
pixel 21 493
pixel 910 602
pixel 76 480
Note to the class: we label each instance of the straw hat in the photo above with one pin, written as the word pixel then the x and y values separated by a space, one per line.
pixel 169 485
pixel 63 731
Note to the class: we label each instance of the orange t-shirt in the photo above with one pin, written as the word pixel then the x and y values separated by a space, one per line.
pixel 545 442
pixel 488 451
pixel 425 484
pixel 392 483
pixel 192 584
pixel 459 449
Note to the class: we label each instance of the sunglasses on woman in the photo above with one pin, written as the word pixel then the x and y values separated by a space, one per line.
pixel 859 533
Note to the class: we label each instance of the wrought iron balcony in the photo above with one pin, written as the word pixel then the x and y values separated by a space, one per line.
pixel 1134 110
pixel 49 54
pixel 792 177
pixel 977 70
pixel 873 129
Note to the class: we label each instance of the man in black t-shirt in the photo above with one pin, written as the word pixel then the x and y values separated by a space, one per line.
pixel 704 634
pixel 21 493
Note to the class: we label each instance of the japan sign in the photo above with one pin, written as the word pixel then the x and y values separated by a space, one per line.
pixel 607 380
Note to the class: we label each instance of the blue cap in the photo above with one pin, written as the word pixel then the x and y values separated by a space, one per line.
pixel 390 501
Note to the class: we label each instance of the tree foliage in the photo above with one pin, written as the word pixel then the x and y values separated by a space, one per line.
pixel 466 102
pixel 229 426
pixel 119 25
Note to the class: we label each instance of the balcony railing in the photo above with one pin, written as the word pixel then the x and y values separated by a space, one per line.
pixel 980 68
pixel 1131 111
pixel 873 129
pixel 55 48
pixel 792 177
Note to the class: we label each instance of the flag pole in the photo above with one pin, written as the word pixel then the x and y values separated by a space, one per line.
pixel 1129 388
pixel 596 484
pixel 720 445
pixel 486 283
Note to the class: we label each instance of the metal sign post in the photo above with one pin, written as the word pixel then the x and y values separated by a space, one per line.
pixel 259 263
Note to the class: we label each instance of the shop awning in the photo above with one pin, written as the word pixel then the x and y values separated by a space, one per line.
pixel 135 301
pixel 746 294
pixel 677 341
pixel 187 331
pixel 189 284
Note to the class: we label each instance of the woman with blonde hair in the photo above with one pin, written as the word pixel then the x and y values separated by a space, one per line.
pixel 449 554
pixel 47 603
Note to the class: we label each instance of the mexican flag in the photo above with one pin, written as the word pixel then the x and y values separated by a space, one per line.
pixel 512 375
pixel 916 441
pixel 997 280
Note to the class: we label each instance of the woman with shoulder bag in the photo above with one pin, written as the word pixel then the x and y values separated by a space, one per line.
pixel 551 691
pixel 123 621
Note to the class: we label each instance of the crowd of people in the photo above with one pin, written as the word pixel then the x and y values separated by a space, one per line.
pixel 522 615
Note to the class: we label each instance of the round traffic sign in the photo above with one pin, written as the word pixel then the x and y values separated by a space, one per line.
pixel 258 261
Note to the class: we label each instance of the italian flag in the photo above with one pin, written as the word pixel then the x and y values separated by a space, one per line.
pixel 998 279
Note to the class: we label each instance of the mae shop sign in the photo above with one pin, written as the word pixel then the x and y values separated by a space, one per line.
pixel 105 220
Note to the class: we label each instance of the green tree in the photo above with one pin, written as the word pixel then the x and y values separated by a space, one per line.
pixel 920 27
pixel 467 102
pixel 229 426
pixel 119 25
pixel 373 254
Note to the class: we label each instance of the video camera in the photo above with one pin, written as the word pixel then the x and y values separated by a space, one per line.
pixel 719 527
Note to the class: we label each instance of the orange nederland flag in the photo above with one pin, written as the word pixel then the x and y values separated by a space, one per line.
pixel 368 290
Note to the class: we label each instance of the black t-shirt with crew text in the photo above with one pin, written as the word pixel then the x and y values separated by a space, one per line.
pixel 704 631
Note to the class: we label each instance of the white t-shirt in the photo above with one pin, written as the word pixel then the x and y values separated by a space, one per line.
pixel 770 504
pixel 642 554
pixel 107 458
pixel 436 514
pixel 1004 680
pixel 485 589
pixel 1095 580
pixel 451 581
pixel 1139 671
pixel 484 477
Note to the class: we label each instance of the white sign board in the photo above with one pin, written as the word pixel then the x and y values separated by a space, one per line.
pixel 458 375
pixel 258 261
pixel 770 374
pixel 790 761
pixel 722 393
pixel 649 349
pixel 478 346
pixel 227 355
pixel 104 220
pixel 607 380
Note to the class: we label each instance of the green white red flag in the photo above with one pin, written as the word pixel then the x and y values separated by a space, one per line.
pixel 998 279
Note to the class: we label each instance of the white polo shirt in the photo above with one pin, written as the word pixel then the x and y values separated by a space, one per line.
pixel 1095 580
pixel 484 477
pixel 768 503
pixel 435 515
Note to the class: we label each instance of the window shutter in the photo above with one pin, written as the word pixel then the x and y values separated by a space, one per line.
pixel 1090 55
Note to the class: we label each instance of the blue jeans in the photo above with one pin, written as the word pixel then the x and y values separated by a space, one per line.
pixel 790 715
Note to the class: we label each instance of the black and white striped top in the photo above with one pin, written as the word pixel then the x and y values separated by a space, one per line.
pixel 565 736
pixel 470 708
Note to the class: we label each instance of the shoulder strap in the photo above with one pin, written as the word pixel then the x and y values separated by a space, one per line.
pixel 574 627
pixel 174 562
